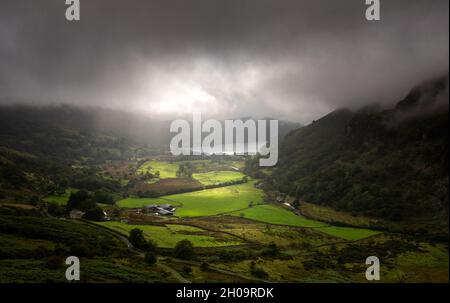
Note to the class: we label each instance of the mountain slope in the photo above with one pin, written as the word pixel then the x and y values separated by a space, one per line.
pixel 390 164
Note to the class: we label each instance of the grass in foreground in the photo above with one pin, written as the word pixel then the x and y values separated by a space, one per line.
pixel 169 236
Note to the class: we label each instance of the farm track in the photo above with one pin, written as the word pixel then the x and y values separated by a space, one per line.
pixel 174 273
pixel 219 270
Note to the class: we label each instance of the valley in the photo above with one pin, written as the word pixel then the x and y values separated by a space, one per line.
pixel 346 187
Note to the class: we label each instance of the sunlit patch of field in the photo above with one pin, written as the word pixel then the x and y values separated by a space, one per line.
pixel 277 215
pixel 218 177
pixel 206 202
pixel 168 236
pixel 141 202
pixel 169 169
pixel 348 233
pixel 165 169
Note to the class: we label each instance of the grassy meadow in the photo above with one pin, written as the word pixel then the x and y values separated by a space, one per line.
pixel 218 177
pixel 168 236
pixel 273 214
pixel 165 169
pixel 206 202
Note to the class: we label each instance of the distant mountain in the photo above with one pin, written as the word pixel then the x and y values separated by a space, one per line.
pixel 391 164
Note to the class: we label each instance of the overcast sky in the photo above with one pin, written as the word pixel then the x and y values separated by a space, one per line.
pixel 229 58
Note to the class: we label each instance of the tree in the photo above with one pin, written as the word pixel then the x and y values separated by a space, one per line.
pixel 55 209
pixel 187 270
pixel 184 250
pixel 296 204
pixel 152 246
pixel 150 258
pixel 271 250
pixel 94 214
pixel 34 200
pixel 80 200
pixel 137 239
pixel 204 266
pixel 102 196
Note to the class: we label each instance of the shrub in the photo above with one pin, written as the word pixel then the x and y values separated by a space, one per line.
pixel 184 250
pixel 137 239
pixel 94 214
pixel 56 210
pixel 102 196
pixel 271 250
pixel 54 262
pixel 257 271
pixel 150 258
pixel 187 270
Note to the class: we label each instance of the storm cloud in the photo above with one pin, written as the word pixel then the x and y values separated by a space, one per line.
pixel 230 58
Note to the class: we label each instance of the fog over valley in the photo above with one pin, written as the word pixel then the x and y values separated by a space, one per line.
pixel 293 60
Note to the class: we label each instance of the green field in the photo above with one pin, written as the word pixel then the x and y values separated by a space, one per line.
pixel 218 177
pixel 141 202
pixel 165 169
pixel 168 236
pixel 277 215
pixel 348 233
pixel 207 202
pixel 215 169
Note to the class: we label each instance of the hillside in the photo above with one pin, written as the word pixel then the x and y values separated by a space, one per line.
pixel 389 164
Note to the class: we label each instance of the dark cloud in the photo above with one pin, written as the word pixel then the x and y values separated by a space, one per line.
pixel 295 59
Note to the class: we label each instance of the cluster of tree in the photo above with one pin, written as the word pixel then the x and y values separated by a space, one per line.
pixel 184 249
pixel 86 202
pixel 149 247
pixel 185 170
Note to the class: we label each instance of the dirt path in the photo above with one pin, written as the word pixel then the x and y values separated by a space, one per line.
pixel 219 270
pixel 174 273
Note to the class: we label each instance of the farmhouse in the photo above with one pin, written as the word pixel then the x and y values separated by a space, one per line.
pixel 167 207
pixel 151 207
pixel 163 209
pixel 164 212
pixel 76 214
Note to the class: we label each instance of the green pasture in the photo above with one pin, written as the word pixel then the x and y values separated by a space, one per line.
pixel 208 202
pixel 168 236
pixel 169 169
pixel 218 177
pixel 277 215
pixel 165 169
